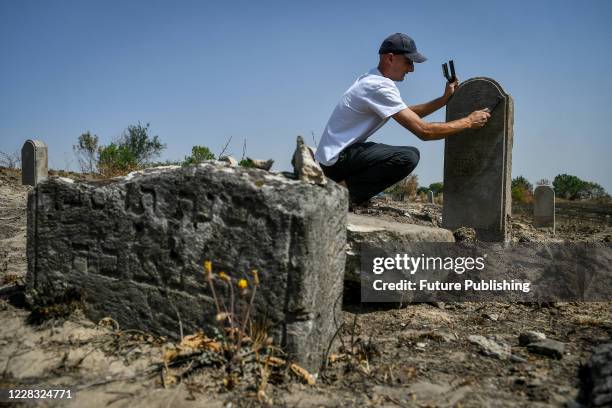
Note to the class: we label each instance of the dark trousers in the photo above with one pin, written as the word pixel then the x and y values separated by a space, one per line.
pixel 369 168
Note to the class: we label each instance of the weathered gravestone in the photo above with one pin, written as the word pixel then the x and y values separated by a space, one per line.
pixel 132 248
pixel 34 162
pixel 544 207
pixel 430 196
pixel 477 162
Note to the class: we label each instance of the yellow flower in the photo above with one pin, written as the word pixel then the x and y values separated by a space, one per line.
pixel 255 277
pixel 242 284
pixel 223 276
pixel 208 266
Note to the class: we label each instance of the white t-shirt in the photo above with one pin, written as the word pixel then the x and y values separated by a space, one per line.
pixel 363 109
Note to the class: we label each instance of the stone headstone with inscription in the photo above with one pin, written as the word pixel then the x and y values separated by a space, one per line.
pixel 132 248
pixel 544 207
pixel 478 162
pixel 430 196
pixel 34 162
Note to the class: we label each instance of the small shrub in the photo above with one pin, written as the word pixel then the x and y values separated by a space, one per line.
pixel 567 186
pixel 436 187
pixel 521 190
pixel 198 155
pixel 86 151
pixel 245 163
pixel 141 147
pixel 133 150
pixel 115 160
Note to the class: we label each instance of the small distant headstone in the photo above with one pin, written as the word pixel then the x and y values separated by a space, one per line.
pixel 544 207
pixel 478 162
pixel 34 162
pixel 430 196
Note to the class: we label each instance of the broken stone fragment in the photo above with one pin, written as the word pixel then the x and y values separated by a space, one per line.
pixel 229 159
pixel 517 359
pixel 305 166
pixel 490 347
pixel 491 316
pixel 596 378
pixel 548 347
pixel 531 337
pixel 465 234
pixel 261 164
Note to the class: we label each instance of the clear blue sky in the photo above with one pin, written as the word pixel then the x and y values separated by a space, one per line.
pixel 201 72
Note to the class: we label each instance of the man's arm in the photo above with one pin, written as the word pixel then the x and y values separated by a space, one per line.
pixel 435 130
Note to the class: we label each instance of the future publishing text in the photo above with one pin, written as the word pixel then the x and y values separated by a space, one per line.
pixel 408 265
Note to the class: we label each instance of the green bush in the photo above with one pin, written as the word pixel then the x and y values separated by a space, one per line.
pixel 436 187
pixel 567 186
pixel 245 163
pixel 134 150
pixel 522 190
pixel 198 155
pixel 592 190
pixel 572 187
pixel 139 145
pixel 115 160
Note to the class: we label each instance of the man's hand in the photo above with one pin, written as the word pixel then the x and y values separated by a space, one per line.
pixel 478 119
pixel 450 88
pixel 434 131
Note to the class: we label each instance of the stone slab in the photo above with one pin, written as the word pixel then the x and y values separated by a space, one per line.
pixel 477 162
pixel 373 232
pixel 544 207
pixel 34 162
pixel 133 248
pixel 364 226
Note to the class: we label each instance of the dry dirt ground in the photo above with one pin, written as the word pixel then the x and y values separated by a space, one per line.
pixel 414 355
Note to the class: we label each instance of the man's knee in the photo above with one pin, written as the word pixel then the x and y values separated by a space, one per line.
pixel 409 158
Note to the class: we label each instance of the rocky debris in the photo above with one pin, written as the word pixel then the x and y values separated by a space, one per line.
pixel 517 359
pixel 132 248
pixel 491 316
pixel 596 378
pixel 547 347
pixel 490 347
pixel 387 209
pixel 305 166
pixel 603 236
pixel 529 337
pixel 465 234
pixel 522 232
pixel 229 159
pixel 261 164
pixel 412 336
pixel 423 392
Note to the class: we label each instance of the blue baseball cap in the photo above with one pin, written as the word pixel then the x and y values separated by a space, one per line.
pixel 400 43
